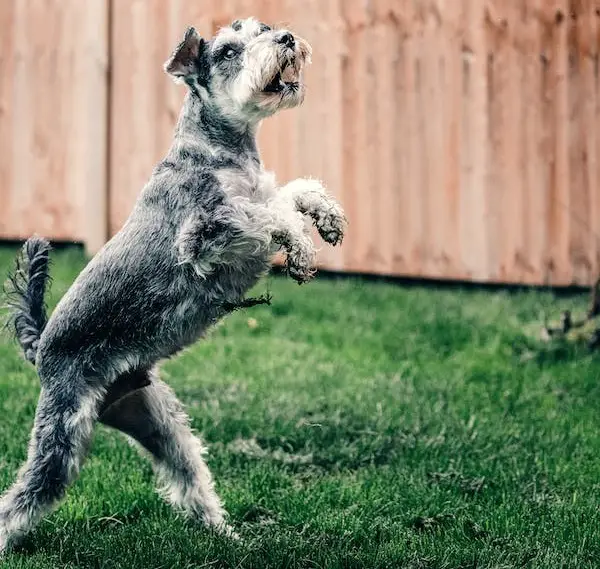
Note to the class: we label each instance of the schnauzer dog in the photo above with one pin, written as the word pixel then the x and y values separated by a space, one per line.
pixel 205 228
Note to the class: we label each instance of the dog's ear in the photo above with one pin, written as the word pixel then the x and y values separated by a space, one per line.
pixel 189 58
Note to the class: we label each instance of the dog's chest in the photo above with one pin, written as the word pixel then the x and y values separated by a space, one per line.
pixel 251 182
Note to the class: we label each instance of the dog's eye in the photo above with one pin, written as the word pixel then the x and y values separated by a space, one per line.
pixel 230 54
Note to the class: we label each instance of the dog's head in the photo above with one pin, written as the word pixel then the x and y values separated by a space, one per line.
pixel 249 70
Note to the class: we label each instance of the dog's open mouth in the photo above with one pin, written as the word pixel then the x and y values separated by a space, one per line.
pixel 287 76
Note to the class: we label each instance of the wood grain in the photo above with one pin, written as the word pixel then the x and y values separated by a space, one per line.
pixel 53 117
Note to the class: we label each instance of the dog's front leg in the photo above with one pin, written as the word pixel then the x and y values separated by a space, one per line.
pixel 203 240
pixel 246 228
pixel 289 232
pixel 311 198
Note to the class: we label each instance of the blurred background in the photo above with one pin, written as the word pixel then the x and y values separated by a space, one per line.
pixel 461 136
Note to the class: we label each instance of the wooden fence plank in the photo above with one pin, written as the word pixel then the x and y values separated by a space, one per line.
pixel 582 139
pixel 353 79
pixel 556 47
pixel 505 103
pixel 474 213
pixel 535 160
pixel 8 108
pixel 384 117
pixel 402 142
pixel 594 145
pixel 414 166
pixel 452 96
pixel 330 59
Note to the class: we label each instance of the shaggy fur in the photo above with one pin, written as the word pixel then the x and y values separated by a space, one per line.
pixel 202 232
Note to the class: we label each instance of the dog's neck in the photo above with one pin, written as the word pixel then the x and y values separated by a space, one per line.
pixel 206 129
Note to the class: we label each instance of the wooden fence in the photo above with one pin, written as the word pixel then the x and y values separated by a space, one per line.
pixel 462 136
pixel 53 105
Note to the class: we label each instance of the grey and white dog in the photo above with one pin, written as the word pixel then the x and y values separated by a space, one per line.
pixel 203 231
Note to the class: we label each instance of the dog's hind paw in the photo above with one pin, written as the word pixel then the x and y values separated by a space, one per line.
pixel 4 544
pixel 227 531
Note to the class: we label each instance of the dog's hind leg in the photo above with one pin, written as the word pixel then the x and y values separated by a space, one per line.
pixel 153 416
pixel 61 434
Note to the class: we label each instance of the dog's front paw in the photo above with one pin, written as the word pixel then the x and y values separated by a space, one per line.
pixel 300 264
pixel 331 223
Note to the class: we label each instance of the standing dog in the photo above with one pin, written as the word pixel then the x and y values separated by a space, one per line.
pixel 203 231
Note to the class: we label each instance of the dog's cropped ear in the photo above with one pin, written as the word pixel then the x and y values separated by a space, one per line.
pixel 188 59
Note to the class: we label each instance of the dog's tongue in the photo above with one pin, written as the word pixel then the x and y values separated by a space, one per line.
pixel 289 74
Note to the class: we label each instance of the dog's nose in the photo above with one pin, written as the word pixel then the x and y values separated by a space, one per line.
pixel 287 39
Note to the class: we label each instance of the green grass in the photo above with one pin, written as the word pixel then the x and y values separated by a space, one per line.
pixel 353 424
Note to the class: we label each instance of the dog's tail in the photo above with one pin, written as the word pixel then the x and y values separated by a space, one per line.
pixel 25 290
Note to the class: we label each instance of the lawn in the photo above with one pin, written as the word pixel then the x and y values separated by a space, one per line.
pixel 350 424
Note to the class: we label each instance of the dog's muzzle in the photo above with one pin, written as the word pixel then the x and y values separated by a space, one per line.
pixel 288 75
